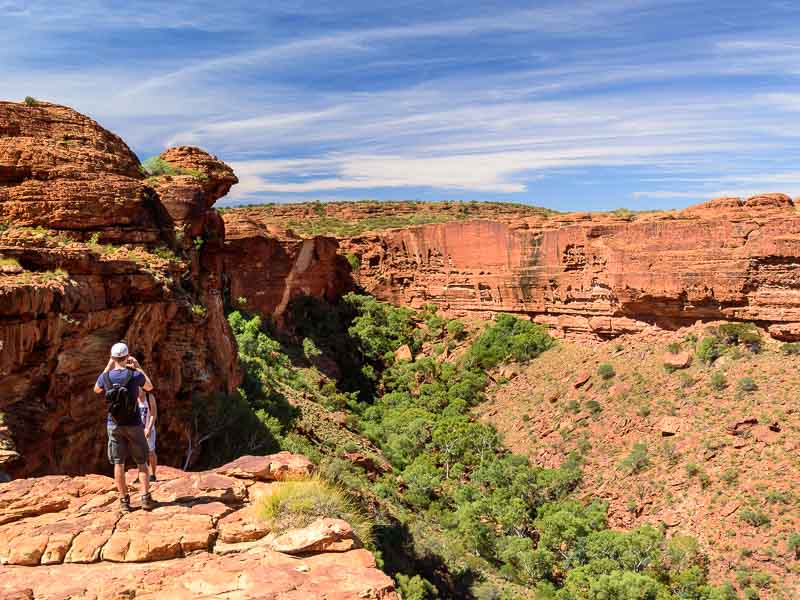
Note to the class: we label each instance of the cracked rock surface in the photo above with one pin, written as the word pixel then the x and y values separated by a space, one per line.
pixel 63 537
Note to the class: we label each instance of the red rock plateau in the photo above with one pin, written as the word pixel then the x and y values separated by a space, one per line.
pixel 63 537
pixel 589 276
pixel 92 251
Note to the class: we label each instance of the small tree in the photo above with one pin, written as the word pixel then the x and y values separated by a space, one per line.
pixel 31 101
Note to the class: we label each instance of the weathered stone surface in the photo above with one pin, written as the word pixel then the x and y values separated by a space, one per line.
pixel 403 353
pixel 670 425
pixel 681 360
pixel 72 542
pixel 273 467
pixel 242 526
pixel 323 535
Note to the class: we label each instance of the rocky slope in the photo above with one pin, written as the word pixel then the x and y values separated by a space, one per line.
pixel 62 537
pixel 589 276
pixel 703 450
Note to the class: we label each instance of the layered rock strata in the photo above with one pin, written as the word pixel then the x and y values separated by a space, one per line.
pixel 600 276
pixel 63 537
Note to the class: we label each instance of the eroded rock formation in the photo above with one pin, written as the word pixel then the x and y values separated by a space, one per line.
pixel 267 266
pixel 599 276
pixel 100 253
pixel 63 537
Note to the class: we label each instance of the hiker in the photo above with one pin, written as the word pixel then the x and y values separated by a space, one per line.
pixel 148 411
pixel 120 381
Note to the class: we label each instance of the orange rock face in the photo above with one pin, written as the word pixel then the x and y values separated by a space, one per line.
pixel 63 537
pixel 266 266
pixel 597 276
pixel 101 254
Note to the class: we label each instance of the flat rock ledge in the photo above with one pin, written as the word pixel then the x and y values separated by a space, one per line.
pixel 63 537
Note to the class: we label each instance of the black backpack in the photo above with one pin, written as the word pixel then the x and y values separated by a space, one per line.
pixel 121 403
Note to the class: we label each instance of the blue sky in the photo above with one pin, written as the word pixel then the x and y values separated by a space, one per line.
pixel 571 105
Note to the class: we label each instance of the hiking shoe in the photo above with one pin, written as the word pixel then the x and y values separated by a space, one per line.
pixel 124 505
pixel 152 478
pixel 147 502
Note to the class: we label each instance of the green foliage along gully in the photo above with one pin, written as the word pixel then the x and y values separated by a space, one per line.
pixel 502 527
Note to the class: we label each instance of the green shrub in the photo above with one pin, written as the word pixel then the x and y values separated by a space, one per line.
pixel 793 544
pixel 741 333
pixel 354 261
pixel 310 350
pixel 155 166
pixel 637 461
pixel 593 406
pixel 756 518
pixel 746 384
pixel 416 588
pixel 165 253
pixel 709 350
pixel 606 371
pixel 295 504
pixel 508 337
pixel 674 347
pixel 791 348
pixel 718 381
pixel 31 101
pixel 199 310
pixel 455 329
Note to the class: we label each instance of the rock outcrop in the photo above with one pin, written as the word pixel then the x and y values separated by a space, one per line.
pixel 101 253
pixel 267 266
pixel 63 537
pixel 600 276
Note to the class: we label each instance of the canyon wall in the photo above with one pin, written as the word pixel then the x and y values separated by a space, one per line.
pixel 93 252
pixel 599 276
pixel 266 266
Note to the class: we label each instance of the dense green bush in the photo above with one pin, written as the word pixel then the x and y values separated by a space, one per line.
pixel 455 329
pixel 709 350
pixel 381 328
pixel 509 337
pixel 638 460
pixel 606 371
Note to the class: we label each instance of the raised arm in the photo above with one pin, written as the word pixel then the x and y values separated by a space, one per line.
pixel 97 388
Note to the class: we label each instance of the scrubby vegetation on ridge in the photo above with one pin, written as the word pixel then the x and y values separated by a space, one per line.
pixel 458 515
pixel 348 219
pixel 155 166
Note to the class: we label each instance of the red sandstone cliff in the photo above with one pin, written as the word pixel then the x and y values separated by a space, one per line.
pixel 266 266
pixel 599 276
pixel 93 252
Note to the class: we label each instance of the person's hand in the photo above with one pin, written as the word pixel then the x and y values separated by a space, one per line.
pixel 146 431
pixel 133 363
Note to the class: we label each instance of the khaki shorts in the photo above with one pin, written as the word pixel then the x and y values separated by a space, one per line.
pixel 127 441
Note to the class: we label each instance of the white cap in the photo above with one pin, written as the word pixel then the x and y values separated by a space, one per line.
pixel 119 350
